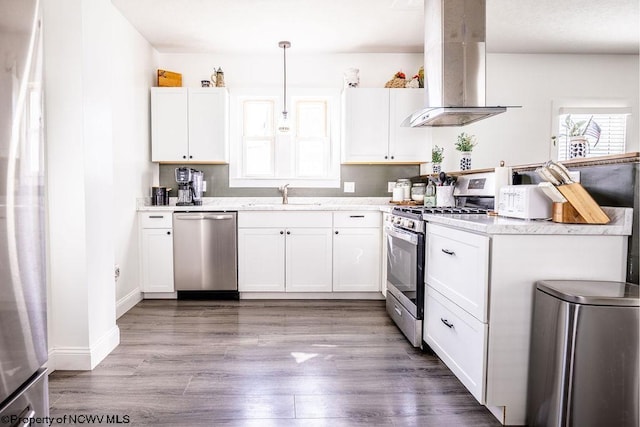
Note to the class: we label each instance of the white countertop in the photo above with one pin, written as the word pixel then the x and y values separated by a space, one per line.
pixel 621 218
pixel 275 204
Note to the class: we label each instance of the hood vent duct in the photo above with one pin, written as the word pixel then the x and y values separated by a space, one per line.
pixel 454 64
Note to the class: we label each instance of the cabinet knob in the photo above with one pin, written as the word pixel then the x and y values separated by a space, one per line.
pixel 336 232
pixel 191 157
pixel 282 232
pixel 168 232
pixel 288 232
pixel 184 157
pixel 386 157
pixel 392 157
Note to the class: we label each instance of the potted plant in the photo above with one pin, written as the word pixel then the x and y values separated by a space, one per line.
pixel 437 158
pixel 464 145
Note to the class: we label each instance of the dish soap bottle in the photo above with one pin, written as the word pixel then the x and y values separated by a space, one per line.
pixel 430 195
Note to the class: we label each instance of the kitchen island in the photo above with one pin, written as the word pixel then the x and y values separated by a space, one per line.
pixel 480 276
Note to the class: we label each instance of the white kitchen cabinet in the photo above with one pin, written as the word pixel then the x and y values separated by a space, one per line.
pixel 485 290
pixel 308 261
pixel 261 259
pixel 189 125
pixel 372 131
pixel 356 252
pixel 284 251
pixel 156 252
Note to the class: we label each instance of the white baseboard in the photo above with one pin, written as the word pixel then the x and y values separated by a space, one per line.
pixel 128 302
pixel 312 295
pixel 83 358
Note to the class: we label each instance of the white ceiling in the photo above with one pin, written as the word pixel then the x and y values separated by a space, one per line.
pixel 377 26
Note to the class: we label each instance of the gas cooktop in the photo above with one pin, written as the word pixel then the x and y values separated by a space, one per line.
pixel 418 211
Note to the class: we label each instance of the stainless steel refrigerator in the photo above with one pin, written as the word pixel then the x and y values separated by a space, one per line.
pixel 23 315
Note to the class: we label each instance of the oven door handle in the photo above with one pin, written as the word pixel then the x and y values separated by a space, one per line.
pixel 407 237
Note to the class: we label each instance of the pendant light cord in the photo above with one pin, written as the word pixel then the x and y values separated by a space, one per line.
pixel 285 78
pixel 284 45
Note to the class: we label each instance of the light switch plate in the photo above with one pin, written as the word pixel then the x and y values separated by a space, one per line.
pixel 390 186
pixel 349 187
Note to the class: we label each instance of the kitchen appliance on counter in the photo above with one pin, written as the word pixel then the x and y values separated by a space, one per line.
pixel 23 308
pixel 406 248
pixel 205 255
pixel 191 185
pixel 524 202
pixel 160 196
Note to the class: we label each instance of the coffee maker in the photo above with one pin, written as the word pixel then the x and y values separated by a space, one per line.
pixel 191 185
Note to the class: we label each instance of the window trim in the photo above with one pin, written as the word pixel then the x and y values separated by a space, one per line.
pixel 236 151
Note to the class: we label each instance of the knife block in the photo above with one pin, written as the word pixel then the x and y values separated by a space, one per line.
pixel 580 207
pixel 565 213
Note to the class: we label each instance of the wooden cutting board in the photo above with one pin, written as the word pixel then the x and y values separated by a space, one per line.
pixel 169 79
pixel 583 203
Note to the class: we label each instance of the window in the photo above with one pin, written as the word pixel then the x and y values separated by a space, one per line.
pixel 308 156
pixel 603 128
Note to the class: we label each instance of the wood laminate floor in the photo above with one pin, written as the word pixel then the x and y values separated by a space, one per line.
pixel 266 363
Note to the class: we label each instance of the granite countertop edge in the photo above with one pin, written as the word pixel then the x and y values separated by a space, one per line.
pixel 620 224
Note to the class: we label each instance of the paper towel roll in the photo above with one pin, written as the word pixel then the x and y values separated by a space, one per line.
pixel 503 178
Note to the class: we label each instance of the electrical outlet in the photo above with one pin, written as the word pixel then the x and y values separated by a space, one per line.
pixel 390 186
pixel 349 187
pixel 117 272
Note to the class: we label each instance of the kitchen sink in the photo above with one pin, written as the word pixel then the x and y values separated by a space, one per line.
pixel 266 205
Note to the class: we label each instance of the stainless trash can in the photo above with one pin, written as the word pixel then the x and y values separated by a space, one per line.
pixel 583 366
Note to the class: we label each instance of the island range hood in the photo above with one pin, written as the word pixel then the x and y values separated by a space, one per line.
pixel 454 65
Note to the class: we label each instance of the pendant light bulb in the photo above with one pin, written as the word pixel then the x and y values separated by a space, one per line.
pixel 283 123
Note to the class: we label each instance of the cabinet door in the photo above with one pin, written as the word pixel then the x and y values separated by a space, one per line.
pixel 356 259
pixel 366 125
pixel 308 262
pixel 156 259
pixel 208 125
pixel 407 144
pixel 169 125
pixel 261 259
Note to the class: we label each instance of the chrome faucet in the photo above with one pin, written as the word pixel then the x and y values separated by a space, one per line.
pixel 285 193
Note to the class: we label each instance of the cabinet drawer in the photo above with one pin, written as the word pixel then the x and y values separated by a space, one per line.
pixel 457 265
pixel 160 219
pixel 356 219
pixel 269 219
pixel 459 339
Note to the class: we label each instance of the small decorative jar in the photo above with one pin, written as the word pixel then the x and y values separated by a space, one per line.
pixel 465 160
pixel 437 167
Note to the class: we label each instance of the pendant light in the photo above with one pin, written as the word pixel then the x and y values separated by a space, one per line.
pixel 283 123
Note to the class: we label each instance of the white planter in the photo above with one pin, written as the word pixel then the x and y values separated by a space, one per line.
pixel 465 160
pixel 578 147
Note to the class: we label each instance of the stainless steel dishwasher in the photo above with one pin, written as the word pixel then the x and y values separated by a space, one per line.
pixel 205 255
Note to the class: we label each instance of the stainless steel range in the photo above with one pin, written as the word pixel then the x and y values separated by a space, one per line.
pixel 405 240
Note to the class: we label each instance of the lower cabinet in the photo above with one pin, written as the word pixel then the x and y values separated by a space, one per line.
pixel 316 251
pixel 261 259
pixel 284 259
pixel 356 260
pixel 156 252
pixel 308 260
pixel 459 339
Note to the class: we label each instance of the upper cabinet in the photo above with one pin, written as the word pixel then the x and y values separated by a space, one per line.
pixel 372 131
pixel 189 125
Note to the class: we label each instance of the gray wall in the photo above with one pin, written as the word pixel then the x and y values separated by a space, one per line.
pixel 371 181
